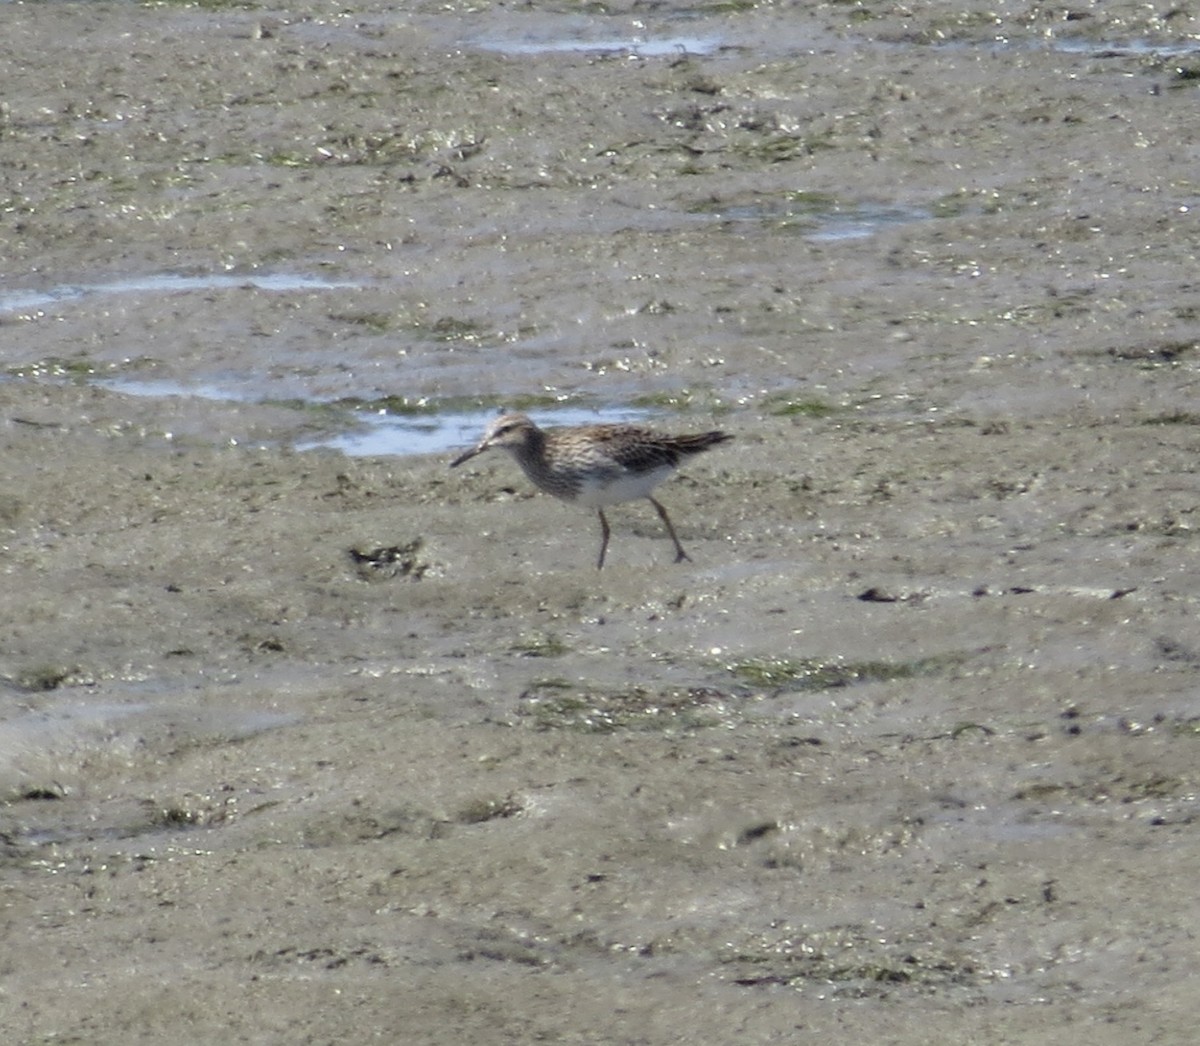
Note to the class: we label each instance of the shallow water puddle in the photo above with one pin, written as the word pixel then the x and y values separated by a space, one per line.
pixel 860 222
pixel 165 388
pixel 17 301
pixel 1120 48
pixel 379 432
pixel 435 433
pixel 823 220
pixel 635 46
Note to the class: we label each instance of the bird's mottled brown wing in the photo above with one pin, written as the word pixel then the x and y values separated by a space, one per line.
pixel 644 449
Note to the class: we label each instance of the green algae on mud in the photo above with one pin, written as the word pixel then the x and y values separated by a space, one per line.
pixel 785 674
pixel 559 705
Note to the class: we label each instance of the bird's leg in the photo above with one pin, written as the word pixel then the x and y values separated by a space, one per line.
pixel 603 538
pixel 680 555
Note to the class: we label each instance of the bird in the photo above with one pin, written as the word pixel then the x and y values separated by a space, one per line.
pixel 595 465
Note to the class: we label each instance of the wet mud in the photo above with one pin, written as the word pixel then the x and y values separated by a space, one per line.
pixel 298 745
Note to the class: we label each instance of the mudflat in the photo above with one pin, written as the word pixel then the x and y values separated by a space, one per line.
pixel 301 746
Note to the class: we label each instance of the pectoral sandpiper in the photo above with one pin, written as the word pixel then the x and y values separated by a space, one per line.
pixel 595 465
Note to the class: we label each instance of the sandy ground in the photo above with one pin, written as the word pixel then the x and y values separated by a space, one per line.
pixel 305 748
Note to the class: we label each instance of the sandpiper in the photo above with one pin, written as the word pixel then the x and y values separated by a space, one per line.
pixel 595 465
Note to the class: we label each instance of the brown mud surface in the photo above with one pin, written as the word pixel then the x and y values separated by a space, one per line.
pixel 300 747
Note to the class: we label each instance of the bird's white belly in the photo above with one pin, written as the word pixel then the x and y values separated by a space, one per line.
pixel 628 486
